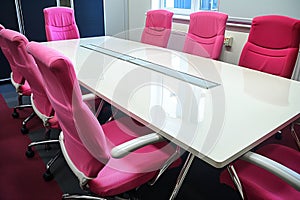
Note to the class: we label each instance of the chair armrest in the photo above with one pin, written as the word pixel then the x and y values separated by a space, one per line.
pixel 125 148
pixel 281 171
pixel 15 84
pixel 297 121
pixel 89 96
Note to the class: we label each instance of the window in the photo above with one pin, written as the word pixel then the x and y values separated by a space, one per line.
pixel 67 3
pixel 209 5
pixel 185 7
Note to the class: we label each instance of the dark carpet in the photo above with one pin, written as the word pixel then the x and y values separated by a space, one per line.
pixel 21 178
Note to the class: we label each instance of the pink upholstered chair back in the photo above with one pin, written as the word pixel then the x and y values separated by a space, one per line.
pixel 206 34
pixel 1 27
pixel 16 75
pixel 25 65
pixel 157 28
pixel 83 136
pixel 60 23
pixel 273 45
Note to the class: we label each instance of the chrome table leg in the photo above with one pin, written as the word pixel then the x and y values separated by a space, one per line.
pixel 182 175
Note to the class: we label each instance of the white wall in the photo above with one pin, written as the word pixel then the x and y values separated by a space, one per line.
pixel 137 17
pixel 250 9
pixel 115 16
pixel 124 18
pixel 232 54
pixel 137 11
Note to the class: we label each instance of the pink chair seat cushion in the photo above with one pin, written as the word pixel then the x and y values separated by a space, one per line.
pixel 125 129
pixel 261 184
pixel 120 175
pixel 111 182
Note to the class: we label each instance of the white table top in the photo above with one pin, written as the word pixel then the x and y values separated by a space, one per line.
pixel 218 124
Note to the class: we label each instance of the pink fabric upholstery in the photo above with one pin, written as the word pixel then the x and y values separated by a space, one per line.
pixel 87 143
pixel 206 34
pixel 25 64
pixel 23 88
pixel 60 23
pixel 260 184
pixel 157 28
pixel 272 45
pixel 121 175
pixel 74 116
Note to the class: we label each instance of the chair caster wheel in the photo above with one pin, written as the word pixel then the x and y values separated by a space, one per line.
pixel 48 176
pixel 15 114
pixel 29 153
pixel 24 130
pixel 278 136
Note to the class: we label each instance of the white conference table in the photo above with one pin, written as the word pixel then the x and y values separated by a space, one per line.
pixel 220 117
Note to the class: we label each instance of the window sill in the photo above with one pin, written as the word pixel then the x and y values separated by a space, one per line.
pixel 184 19
pixel 232 21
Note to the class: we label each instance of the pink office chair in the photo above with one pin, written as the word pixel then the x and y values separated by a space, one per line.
pixel 87 146
pixel 16 43
pixel 20 83
pixel 157 28
pixel 255 182
pixel 272 46
pixel 206 34
pixel 17 79
pixel 60 23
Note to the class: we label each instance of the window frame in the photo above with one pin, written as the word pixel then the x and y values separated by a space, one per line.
pixel 195 6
